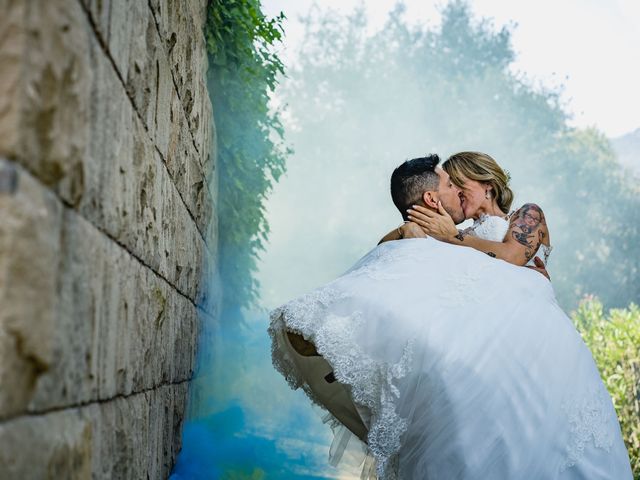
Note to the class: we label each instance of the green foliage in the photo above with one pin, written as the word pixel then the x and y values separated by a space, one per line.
pixel 614 340
pixel 251 154
pixel 360 104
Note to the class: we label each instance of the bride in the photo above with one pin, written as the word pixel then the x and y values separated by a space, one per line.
pixel 447 362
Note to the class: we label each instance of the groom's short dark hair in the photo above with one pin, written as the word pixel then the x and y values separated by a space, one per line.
pixel 411 179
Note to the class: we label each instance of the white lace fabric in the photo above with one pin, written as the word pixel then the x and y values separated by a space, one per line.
pixel 467 365
pixel 589 419
pixel 371 381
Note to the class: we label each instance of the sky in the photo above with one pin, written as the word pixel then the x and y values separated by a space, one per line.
pixel 592 47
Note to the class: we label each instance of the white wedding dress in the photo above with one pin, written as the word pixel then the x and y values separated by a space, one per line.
pixel 465 364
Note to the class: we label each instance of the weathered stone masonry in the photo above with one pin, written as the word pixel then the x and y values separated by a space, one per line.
pixel 107 228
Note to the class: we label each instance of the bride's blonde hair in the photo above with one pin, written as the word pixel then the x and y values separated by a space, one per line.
pixel 482 168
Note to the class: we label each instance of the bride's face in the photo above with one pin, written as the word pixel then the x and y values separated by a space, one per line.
pixel 474 197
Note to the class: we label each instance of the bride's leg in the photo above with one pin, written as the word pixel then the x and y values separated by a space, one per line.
pixel 318 374
pixel 302 346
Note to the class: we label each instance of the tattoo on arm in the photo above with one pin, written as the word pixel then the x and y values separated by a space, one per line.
pixel 527 228
pixel 463 233
pixel 491 254
pixel 522 238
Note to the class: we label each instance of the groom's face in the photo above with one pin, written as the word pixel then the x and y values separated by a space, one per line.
pixel 450 196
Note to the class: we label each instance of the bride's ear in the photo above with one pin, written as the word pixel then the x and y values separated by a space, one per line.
pixel 430 199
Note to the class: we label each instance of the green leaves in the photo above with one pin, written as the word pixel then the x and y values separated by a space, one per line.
pixel 251 150
pixel 614 340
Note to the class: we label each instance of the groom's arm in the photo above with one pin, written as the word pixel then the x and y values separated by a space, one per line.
pixel 408 230
pixel 394 234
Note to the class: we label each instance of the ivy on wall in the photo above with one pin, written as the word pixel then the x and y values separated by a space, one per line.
pixel 243 71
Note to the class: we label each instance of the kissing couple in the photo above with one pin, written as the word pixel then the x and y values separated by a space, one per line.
pixel 446 362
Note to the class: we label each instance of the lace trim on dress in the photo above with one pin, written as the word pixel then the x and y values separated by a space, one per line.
pixel 489 227
pixel 589 419
pixel 371 382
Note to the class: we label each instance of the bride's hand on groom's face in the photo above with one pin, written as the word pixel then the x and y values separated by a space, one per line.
pixel 438 225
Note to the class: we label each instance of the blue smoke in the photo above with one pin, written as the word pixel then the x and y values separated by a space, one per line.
pixel 244 422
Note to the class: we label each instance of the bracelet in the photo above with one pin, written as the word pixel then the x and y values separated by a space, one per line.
pixel 460 235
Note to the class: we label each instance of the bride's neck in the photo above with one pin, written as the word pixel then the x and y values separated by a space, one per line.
pixel 490 207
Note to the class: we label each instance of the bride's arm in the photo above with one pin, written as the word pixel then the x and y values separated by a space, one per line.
pixel 518 247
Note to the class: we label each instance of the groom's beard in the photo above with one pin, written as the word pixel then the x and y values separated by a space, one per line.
pixel 457 216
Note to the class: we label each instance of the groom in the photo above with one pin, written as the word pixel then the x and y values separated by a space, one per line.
pixel 420 181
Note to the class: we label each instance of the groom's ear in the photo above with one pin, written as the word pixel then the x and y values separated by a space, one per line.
pixel 430 199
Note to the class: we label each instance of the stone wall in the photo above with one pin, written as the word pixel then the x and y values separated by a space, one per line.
pixel 107 228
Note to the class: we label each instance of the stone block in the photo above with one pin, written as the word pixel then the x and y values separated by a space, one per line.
pixel 185 167
pixel 46 70
pixel 127 437
pixel 128 192
pixel 100 12
pixel 143 55
pixel 82 319
pixel 138 436
pixel 47 447
pixel 115 22
pixel 30 245
pixel 13 41
pixel 122 435
pixel 142 65
pixel 181 30
pixel 129 31
pixel 75 118
pixel 120 328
